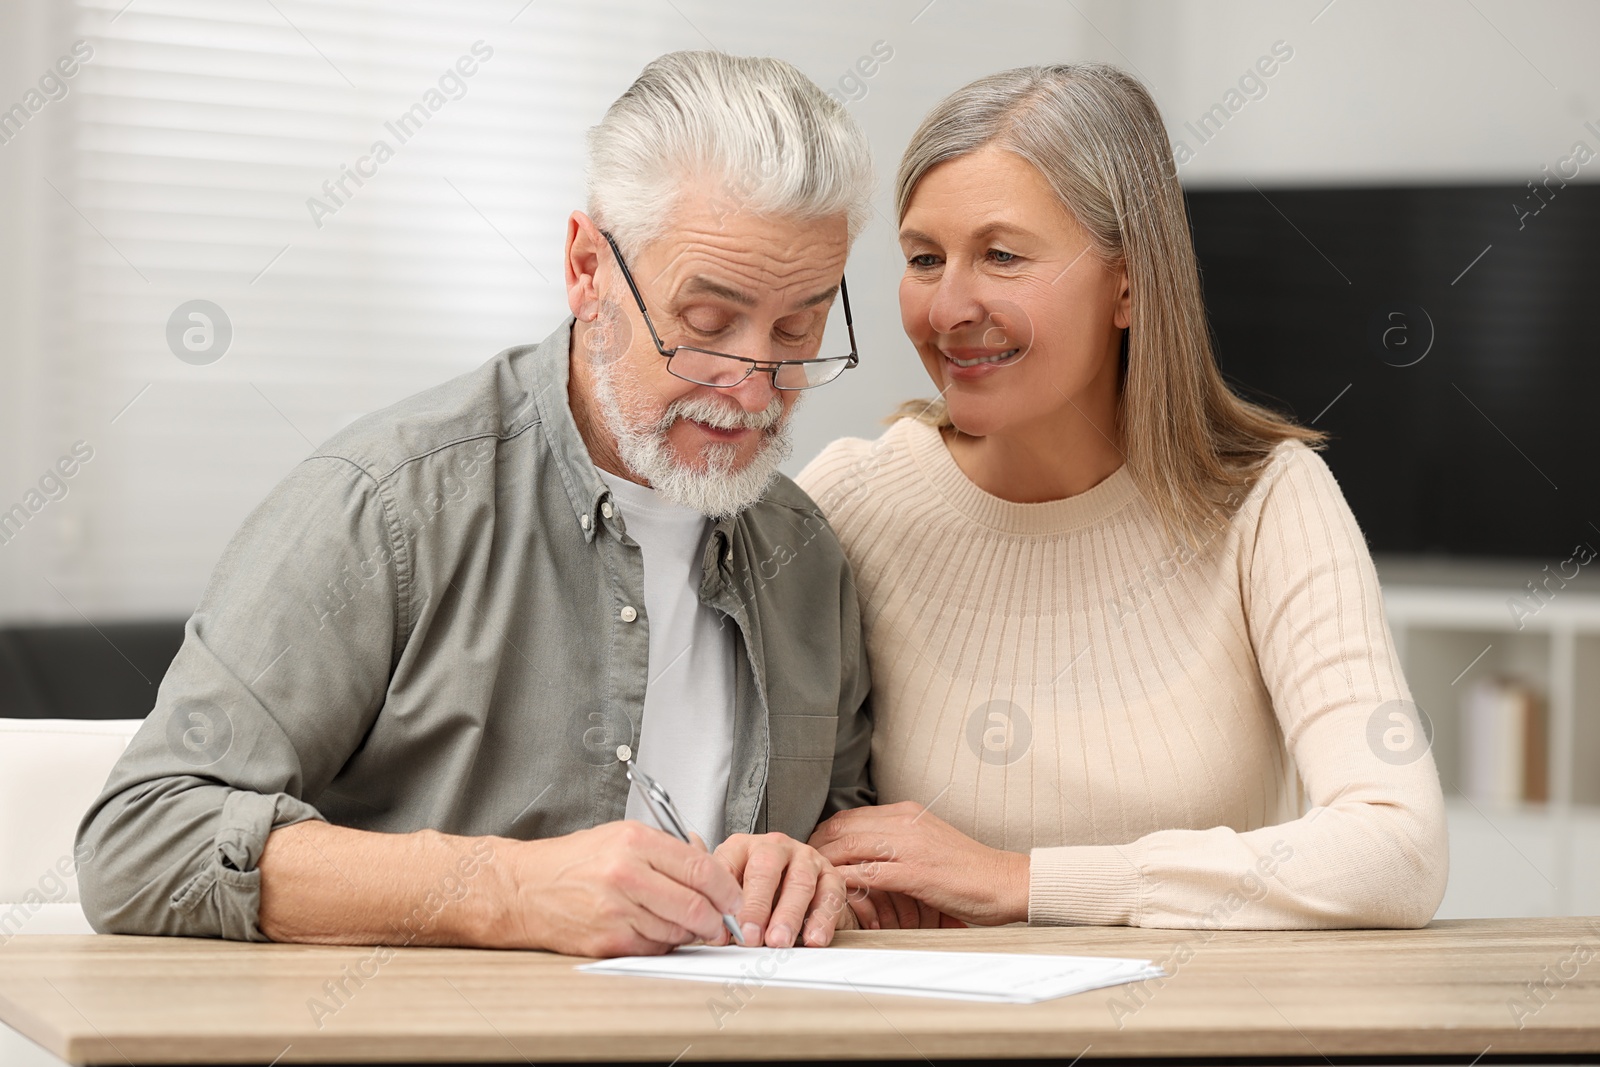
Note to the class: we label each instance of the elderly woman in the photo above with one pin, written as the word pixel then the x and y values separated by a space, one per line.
pixel 1129 656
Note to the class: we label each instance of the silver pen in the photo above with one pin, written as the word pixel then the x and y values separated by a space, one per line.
pixel 667 817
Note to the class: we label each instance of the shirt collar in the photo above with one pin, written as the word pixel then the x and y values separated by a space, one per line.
pixel 551 364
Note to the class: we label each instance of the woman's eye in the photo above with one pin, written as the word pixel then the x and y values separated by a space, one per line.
pixel 922 259
pixel 1000 256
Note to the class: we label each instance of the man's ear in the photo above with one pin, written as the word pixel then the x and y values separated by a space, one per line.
pixel 582 263
pixel 1122 310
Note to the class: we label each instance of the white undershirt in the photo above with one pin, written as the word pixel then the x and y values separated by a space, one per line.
pixel 686 739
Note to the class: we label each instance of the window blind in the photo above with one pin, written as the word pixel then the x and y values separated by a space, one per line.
pixel 368 197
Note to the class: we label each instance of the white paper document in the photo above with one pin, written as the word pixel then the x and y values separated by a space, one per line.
pixel 997 977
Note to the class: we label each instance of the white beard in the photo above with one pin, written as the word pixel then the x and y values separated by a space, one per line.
pixel 719 490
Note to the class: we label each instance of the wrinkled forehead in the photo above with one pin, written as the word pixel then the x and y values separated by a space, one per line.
pixel 728 252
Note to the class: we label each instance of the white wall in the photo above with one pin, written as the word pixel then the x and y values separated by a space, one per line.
pixel 23 32
pixel 1375 92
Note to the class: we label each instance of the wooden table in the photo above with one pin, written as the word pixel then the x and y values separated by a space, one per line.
pixel 1450 989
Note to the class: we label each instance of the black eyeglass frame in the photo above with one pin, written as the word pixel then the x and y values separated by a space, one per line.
pixel 751 365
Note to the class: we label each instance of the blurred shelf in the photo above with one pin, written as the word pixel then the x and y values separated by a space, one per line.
pixel 1527 860
pixel 1469 609
pixel 1455 624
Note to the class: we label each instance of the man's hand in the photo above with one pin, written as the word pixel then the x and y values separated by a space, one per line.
pixel 619 889
pixel 790 891
pixel 905 849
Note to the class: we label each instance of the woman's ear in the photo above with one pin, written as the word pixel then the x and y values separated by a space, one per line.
pixel 1122 310
pixel 582 263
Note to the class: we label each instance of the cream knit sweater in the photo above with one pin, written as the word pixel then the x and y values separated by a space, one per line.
pixel 1179 739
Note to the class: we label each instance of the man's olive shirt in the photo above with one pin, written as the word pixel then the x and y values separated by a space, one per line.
pixel 437 621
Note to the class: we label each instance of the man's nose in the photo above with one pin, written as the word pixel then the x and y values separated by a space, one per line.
pixel 755 393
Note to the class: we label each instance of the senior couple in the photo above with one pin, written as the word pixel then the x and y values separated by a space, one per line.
pixel 1086 638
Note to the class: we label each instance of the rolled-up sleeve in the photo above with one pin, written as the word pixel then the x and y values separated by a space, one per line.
pixel 282 671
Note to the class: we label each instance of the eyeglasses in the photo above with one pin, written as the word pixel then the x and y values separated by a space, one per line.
pixel 722 370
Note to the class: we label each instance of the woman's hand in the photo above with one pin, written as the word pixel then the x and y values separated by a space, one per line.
pixel 877 909
pixel 904 849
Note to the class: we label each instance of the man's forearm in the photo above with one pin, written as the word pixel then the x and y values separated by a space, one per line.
pixel 328 884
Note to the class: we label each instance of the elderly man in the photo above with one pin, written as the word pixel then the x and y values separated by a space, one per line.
pixel 404 709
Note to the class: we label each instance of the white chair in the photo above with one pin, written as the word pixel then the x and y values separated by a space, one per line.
pixel 50 772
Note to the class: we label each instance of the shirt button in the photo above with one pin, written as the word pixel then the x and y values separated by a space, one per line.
pixel 624 753
pixel 583 520
pixel 607 510
pixel 628 614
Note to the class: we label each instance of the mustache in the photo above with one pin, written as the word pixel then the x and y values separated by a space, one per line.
pixel 721 415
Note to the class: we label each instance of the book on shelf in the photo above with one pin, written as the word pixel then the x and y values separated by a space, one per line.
pixel 1504 753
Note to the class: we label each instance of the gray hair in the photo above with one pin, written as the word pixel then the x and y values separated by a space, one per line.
pixel 1093 132
pixel 761 133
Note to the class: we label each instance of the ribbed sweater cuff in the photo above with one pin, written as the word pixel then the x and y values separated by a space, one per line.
pixel 1083 885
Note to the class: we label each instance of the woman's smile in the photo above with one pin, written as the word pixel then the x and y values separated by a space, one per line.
pixel 970 364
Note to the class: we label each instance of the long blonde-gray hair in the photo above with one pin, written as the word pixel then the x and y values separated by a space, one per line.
pixel 1097 137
